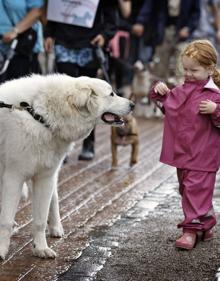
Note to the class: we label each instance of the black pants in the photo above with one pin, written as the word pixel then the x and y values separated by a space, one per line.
pixel 76 71
pixel 21 66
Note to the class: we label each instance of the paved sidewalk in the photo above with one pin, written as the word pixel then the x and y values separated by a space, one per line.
pixel 140 246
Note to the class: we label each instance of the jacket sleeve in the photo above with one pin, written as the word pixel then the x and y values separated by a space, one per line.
pixel 158 99
pixel 189 14
pixel 145 13
pixel 216 116
pixel 194 18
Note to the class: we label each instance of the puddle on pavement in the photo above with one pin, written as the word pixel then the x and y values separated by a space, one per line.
pixel 93 259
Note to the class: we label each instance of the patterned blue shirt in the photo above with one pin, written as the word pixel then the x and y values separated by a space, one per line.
pixel 81 57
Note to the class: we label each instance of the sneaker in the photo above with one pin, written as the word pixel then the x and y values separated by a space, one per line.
pixel 86 155
pixel 187 241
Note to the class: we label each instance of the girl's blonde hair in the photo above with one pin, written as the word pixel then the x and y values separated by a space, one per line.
pixel 206 55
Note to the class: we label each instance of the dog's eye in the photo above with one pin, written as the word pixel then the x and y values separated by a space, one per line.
pixel 112 94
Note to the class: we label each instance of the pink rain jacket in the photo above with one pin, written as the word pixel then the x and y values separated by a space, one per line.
pixel 190 140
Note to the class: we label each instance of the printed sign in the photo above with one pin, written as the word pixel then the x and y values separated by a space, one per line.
pixel 76 12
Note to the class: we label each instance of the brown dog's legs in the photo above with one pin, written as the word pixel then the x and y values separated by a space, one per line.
pixel 114 155
pixel 134 152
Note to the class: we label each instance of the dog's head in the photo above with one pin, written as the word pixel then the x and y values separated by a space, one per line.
pixel 95 99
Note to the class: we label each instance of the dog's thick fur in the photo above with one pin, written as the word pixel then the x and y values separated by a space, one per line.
pixel 126 135
pixel 32 152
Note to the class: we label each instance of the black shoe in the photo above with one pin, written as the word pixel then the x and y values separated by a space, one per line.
pixel 86 155
pixel 87 148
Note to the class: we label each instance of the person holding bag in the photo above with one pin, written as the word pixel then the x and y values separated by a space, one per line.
pixel 19 20
pixel 75 47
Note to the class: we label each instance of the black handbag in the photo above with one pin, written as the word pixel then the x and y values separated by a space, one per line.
pixel 26 40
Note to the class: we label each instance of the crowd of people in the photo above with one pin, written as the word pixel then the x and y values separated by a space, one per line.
pixel 143 34
pixel 135 34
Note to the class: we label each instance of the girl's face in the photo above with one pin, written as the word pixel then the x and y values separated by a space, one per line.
pixel 193 71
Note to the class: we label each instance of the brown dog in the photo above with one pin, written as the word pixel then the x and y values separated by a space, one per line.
pixel 126 135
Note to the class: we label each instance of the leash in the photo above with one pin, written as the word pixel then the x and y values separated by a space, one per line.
pixel 28 108
pixel 102 61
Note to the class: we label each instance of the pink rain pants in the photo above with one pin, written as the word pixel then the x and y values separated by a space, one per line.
pixel 196 189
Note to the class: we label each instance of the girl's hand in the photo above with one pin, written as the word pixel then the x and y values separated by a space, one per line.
pixel 161 88
pixel 207 107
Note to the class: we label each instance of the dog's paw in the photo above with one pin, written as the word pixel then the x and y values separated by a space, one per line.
pixel 55 231
pixel 114 168
pixel 4 250
pixel 4 243
pixel 114 165
pixel 133 163
pixel 44 253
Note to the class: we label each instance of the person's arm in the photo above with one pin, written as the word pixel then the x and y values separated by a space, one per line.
pixel 215 117
pixel 142 18
pixel 125 8
pixel 31 17
pixel 216 12
pixel 193 16
pixel 109 14
pixel 49 36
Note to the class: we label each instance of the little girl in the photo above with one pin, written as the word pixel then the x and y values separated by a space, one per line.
pixel 191 138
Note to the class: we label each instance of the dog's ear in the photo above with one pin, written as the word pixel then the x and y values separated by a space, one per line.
pixel 85 99
pixel 80 98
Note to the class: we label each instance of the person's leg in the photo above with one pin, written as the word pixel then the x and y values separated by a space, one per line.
pixel 76 71
pixel 188 239
pixel 35 65
pixel 163 53
pixel 132 58
pixel 197 194
pixel 196 189
pixel 67 68
pixel 21 66
pixel 71 70
pixel 88 150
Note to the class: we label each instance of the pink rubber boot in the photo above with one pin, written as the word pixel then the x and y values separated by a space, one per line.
pixel 208 235
pixel 187 241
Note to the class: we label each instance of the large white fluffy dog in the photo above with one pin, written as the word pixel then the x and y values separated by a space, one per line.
pixel 48 114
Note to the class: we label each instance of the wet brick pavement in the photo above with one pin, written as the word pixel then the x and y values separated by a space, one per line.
pixel 140 246
pixel 119 224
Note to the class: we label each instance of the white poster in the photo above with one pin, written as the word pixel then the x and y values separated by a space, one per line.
pixel 76 12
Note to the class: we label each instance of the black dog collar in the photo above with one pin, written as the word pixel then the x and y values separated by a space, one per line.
pixel 30 109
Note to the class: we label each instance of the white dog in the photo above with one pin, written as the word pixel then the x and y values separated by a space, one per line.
pixel 48 114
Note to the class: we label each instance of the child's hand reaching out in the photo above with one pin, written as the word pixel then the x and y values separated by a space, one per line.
pixel 207 107
pixel 161 88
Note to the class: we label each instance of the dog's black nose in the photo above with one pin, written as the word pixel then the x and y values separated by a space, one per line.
pixel 132 105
